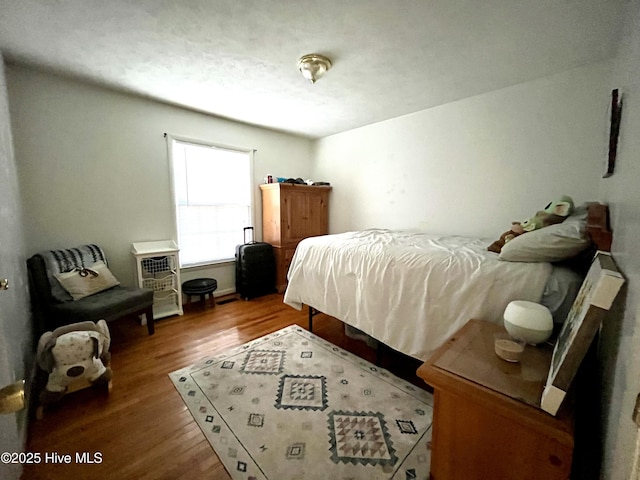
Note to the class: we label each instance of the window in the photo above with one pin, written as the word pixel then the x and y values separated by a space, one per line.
pixel 213 198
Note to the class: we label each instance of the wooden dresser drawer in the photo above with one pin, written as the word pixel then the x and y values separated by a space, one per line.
pixel 283 261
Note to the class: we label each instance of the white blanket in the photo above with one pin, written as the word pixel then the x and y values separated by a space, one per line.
pixel 411 291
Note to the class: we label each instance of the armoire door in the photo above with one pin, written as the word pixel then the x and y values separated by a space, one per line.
pixel 304 215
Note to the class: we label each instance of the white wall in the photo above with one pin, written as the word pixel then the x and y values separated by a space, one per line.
pixel 621 334
pixel 93 165
pixel 472 166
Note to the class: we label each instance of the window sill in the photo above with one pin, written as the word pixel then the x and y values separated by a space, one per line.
pixel 202 266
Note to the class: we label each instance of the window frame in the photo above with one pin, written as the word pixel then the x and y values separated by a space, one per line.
pixel 170 139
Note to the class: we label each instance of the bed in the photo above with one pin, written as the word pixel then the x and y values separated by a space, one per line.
pixel 411 291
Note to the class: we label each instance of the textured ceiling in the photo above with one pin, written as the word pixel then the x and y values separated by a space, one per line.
pixel 237 58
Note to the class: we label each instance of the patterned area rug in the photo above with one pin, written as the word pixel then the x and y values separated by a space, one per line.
pixel 291 405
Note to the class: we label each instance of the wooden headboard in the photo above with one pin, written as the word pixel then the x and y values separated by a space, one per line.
pixel 598 226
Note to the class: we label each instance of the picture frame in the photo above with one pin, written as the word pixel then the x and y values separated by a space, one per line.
pixel 597 293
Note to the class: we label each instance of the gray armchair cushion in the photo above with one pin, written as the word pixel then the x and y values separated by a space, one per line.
pixel 108 305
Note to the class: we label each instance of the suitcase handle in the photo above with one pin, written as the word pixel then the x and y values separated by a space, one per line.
pixel 245 235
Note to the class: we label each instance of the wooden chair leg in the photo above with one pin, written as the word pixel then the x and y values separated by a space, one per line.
pixel 149 314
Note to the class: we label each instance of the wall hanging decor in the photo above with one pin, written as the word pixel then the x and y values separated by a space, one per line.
pixel 616 114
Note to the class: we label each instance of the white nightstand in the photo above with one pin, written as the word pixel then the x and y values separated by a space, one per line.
pixel 158 268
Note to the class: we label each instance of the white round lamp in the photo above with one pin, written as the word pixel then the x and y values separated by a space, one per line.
pixel 528 321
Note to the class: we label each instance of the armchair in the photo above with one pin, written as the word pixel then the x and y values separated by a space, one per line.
pixel 54 307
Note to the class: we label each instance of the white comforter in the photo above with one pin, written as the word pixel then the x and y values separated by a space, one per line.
pixel 411 291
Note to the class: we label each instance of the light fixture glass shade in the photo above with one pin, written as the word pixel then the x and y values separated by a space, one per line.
pixel 313 66
pixel 528 321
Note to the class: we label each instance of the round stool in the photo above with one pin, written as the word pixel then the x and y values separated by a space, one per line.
pixel 200 287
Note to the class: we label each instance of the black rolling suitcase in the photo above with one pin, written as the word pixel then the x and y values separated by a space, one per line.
pixel 255 268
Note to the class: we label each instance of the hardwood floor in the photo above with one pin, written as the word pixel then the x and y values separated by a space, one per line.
pixel 142 429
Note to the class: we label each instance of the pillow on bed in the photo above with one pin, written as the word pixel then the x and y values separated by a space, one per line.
pixel 580 213
pixel 94 279
pixel 549 244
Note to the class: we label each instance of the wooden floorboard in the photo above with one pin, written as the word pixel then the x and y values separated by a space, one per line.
pixel 142 429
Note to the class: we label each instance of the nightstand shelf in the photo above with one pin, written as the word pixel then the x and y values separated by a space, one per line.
pixel 487 421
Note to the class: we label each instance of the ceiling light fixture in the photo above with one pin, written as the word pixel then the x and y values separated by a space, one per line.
pixel 313 66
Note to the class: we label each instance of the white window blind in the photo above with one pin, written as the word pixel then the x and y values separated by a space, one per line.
pixel 213 198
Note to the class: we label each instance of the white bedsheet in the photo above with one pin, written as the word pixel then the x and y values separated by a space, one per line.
pixel 411 291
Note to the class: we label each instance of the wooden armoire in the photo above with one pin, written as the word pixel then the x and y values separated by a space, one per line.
pixel 290 213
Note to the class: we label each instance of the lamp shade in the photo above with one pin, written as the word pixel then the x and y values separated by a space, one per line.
pixel 528 321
